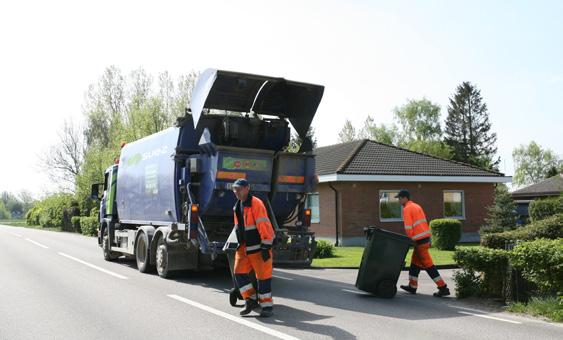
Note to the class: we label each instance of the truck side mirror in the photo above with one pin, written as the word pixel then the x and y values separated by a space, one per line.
pixel 95 193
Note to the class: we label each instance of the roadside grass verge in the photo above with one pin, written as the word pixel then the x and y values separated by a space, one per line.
pixel 23 224
pixel 352 256
pixel 551 308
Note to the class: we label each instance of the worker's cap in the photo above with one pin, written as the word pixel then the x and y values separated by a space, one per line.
pixel 241 182
pixel 403 193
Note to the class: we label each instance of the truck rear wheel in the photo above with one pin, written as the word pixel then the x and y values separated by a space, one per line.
pixel 162 264
pixel 108 254
pixel 142 253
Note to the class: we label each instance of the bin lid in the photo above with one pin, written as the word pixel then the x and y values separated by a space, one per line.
pixel 389 234
pixel 243 92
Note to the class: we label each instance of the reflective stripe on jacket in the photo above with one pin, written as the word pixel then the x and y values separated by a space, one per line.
pixel 416 225
pixel 258 231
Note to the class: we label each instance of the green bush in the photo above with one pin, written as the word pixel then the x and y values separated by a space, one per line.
pixel 541 209
pixel 467 284
pixel 551 228
pixel 49 212
pixel 541 262
pixel 446 233
pixel 89 225
pixel 324 250
pixel 32 216
pixel 489 266
pixel 75 221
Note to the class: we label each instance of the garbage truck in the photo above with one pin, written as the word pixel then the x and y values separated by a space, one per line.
pixel 168 200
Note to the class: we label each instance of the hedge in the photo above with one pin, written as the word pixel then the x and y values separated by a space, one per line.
pixel 75 220
pixel 550 228
pixel 541 262
pixel 446 233
pixel 484 271
pixel 49 212
pixel 89 225
pixel 541 209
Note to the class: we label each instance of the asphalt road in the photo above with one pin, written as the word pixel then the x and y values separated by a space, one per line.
pixel 57 286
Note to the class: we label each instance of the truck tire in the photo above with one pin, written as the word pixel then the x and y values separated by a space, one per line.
pixel 142 253
pixel 108 254
pixel 162 264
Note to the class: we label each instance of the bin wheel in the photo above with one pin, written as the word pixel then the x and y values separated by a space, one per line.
pixel 386 289
pixel 234 296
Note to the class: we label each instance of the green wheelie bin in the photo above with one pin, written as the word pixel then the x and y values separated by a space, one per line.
pixel 382 261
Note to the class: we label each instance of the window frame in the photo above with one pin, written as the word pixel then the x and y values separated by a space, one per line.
pixel 313 220
pixel 462 217
pixel 381 219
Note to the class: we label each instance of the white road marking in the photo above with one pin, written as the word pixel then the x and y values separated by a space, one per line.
pixel 283 278
pixel 470 309
pixel 354 291
pixel 18 235
pixel 94 266
pixel 37 243
pixel 489 317
pixel 233 318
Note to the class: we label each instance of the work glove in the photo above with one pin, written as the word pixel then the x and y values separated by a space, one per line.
pixel 265 254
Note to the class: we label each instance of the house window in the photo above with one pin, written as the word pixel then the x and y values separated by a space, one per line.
pixel 313 204
pixel 454 204
pixel 390 209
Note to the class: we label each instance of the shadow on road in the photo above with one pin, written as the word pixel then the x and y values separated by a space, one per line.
pixel 326 293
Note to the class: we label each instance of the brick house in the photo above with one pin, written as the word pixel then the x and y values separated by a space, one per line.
pixel 358 181
pixel 550 187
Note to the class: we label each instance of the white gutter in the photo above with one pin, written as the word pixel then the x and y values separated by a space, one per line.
pixel 403 178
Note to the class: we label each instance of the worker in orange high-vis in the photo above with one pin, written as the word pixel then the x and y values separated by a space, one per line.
pixel 255 237
pixel 416 227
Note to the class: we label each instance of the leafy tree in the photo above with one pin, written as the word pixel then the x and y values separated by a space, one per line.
pixel 468 129
pixel 348 132
pixel 501 215
pixel 532 164
pixel 379 133
pixel 419 120
pixel 553 171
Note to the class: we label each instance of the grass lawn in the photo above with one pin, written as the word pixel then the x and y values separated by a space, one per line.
pixel 23 223
pixel 351 257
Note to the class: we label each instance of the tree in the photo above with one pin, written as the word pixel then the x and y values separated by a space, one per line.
pixel 502 214
pixel 468 130
pixel 348 132
pixel 4 213
pixel 63 160
pixel 379 133
pixel 419 120
pixel 532 164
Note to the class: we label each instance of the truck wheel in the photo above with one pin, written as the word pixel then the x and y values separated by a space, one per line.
pixel 142 253
pixel 108 254
pixel 386 289
pixel 162 265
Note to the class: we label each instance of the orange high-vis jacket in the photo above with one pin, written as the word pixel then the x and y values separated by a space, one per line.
pixel 416 225
pixel 258 231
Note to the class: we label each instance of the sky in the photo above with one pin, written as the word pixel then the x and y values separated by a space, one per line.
pixel 371 56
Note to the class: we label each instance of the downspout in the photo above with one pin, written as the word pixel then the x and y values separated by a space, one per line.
pixel 337 212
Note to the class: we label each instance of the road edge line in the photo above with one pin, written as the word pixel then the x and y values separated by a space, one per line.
pixel 109 272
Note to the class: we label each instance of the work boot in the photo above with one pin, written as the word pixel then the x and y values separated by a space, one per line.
pixel 442 291
pixel 409 289
pixel 249 306
pixel 266 312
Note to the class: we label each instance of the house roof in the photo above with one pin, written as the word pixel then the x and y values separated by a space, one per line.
pixel 552 186
pixel 366 157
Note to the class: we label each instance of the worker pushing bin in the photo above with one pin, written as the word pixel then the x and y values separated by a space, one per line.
pixel 382 261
